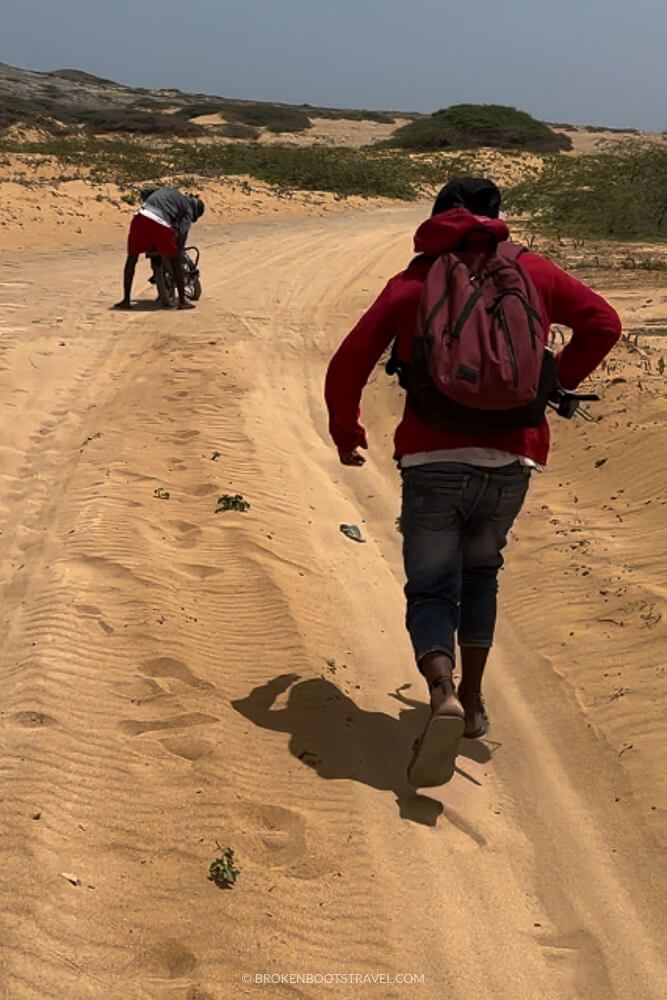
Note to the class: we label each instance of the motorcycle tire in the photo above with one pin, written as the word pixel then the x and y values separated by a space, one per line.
pixel 164 281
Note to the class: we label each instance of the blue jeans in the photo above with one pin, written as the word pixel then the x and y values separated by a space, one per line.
pixel 455 519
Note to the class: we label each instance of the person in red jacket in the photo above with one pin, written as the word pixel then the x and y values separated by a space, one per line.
pixel 461 493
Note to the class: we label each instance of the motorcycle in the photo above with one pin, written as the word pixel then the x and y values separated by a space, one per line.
pixel 163 276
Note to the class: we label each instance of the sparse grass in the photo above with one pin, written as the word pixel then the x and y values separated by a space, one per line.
pixel 369 172
pixel 618 194
pixel 466 126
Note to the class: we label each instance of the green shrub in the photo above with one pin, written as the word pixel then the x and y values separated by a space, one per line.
pixel 619 194
pixel 235 130
pixel 135 122
pixel 200 108
pixel 471 125
pixel 275 117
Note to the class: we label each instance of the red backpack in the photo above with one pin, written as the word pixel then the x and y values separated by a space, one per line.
pixel 479 361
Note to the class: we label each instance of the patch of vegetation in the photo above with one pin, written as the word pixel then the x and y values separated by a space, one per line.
pixel 465 126
pixel 235 130
pixel 350 115
pixel 135 122
pixel 370 172
pixel 45 112
pixel 15 110
pixel 223 870
pixel 227 502
pixel 619 194
pixel 274 117
pixel 317 168
pixel 200 108
pixel 608 128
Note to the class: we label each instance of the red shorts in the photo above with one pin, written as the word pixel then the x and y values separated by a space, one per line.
pixel 147 235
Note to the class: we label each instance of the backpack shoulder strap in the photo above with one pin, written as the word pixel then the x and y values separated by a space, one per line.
pixel 511 251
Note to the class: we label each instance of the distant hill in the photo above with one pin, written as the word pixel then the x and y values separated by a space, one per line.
pixel 62 93
pixel 78 76
pixel 65 100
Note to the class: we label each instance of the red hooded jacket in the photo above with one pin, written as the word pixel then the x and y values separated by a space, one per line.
pixel 596 328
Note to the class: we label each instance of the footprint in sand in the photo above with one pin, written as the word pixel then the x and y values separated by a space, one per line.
pixel 275 837
pixel 201 572
pixel 191 749
pixel 170 960
pixel 33 720
pixel 136 727
pixel 203 490
pixel 90 611
pixel 189 533
pixel 182 436
pixel 165 666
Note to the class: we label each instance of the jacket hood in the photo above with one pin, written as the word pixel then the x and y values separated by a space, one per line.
pixel 446 230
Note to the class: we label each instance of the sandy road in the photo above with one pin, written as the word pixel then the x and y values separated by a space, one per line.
pixel 171 676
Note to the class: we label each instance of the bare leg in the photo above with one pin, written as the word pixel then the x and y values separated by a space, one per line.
pixel 473 662
pixel 434 757
pixel 179 278
pixel 128 278
pixel 438 669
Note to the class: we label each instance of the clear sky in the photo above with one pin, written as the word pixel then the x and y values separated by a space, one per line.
pixel 582 61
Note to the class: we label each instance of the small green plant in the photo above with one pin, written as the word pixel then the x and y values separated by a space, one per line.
pixel 128 198
pixel 236 502
pixel 223 870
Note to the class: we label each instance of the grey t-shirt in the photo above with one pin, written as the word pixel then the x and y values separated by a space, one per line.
pixel 176 210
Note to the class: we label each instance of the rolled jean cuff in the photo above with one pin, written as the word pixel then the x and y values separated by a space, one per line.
pixel 463 641
pixel 421 653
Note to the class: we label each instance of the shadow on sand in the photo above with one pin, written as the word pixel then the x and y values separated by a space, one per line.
pixel 339 740
pixel 143 305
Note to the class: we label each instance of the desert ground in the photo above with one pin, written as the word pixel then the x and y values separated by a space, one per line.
pixel 175 678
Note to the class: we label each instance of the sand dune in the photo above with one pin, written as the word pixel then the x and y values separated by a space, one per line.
pixel 172 676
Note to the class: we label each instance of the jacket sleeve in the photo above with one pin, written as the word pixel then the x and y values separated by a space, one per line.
pixel 595 326
pixel 351 367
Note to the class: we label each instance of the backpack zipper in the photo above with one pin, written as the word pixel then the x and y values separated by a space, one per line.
pixel 510 346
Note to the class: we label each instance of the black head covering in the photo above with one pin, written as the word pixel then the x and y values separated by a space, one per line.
pixel 197 206
pixel 478 194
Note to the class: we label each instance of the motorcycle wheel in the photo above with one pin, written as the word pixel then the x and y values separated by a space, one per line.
pixel 193 289
pixel 164 281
